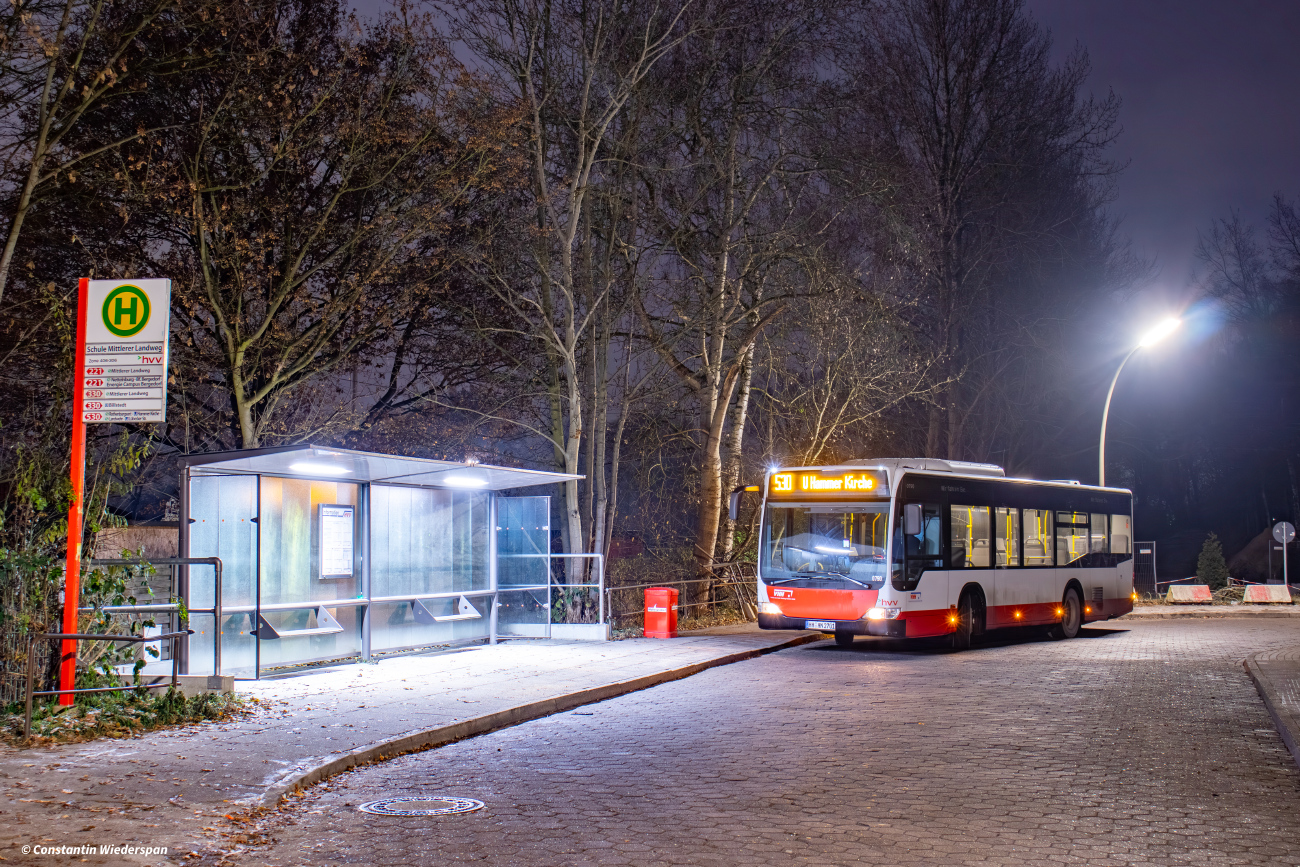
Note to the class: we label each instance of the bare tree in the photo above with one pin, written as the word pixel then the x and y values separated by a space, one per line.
pixel 307 198
pixel 573 65
pixel 996 173
pixel 62 61
pixel 739 204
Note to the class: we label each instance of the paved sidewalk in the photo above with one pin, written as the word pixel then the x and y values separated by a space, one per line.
pixel 175 781
pixel 1164 612
pixel 1277 677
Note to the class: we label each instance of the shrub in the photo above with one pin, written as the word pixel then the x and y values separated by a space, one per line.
pixel 1211 568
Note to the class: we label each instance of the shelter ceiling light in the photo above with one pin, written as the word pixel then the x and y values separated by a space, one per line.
pixel 307 468
pixel 470 478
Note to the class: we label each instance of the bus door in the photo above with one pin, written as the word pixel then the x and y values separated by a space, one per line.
pixel 918 550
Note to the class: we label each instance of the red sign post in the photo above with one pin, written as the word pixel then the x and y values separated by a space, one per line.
pixel 120 376
pixel 72 566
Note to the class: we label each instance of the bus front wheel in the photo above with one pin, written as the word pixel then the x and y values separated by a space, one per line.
pixel 1071 616
pixel 961 637
pixel 844 639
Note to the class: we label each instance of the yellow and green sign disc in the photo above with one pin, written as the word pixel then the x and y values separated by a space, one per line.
pixel 126 311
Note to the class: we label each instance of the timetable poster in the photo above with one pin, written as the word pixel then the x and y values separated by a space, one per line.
pixel 336 528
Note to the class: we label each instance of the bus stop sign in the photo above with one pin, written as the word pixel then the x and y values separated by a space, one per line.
pixel 1284 532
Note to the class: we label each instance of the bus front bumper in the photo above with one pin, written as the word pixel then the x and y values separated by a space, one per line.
pixel 887 628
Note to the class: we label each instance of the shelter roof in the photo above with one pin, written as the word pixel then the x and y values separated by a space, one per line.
pixel 345 465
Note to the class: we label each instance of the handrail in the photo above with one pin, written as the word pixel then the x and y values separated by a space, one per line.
pixel 80 636
pixel 215 610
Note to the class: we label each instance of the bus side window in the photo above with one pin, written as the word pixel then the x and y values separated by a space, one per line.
pixel 1006 536
pixel 1038 537
pixel 1071 537
pixel 1121 538
pixel 969 537
pixel 1100 538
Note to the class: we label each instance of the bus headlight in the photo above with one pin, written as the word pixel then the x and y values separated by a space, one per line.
pixel 769 608
pixel 877 614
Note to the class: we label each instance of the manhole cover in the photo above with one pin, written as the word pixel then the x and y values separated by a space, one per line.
pixel 421 805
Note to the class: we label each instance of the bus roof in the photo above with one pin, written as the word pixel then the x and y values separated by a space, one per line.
pixel 964 469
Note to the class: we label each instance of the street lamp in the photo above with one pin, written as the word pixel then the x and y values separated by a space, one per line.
pixel 1152 337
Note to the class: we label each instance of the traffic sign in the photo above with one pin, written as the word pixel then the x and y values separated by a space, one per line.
pixel 124 368
pixel 1284 532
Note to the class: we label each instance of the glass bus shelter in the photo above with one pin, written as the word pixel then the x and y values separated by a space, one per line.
pixel 332 554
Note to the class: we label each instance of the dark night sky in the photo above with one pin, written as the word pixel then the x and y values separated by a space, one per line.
pixel 1211 111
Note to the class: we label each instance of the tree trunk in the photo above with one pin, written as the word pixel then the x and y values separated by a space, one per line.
pixel 735 443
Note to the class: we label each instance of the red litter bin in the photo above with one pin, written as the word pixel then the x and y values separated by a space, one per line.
pixel 660 612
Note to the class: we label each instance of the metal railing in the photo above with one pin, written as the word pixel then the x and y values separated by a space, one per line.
pixel 32 692
pixel 733 579
pixel 598 585
pixel 215 610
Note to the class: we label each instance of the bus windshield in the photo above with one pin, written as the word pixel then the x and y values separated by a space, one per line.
pixel 811 545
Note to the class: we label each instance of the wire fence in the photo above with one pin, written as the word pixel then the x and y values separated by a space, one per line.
pixel 15 651
pixel 730 593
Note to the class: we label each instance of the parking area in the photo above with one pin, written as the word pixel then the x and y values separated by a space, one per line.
pixel 1137 743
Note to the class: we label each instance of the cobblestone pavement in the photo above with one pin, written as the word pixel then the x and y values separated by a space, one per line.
pixel 171 788
pixel 1141 743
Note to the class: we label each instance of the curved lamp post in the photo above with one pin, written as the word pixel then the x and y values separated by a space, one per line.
pixel 1155 335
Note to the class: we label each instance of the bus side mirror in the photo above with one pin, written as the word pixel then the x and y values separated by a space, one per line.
pixel 912 519
pixel 733 508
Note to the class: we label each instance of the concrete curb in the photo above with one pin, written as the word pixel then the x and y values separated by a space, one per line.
pixel 322 768
pixel 1285 726
pixel 1205 615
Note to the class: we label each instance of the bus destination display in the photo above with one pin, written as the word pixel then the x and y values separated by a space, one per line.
pixel 802 483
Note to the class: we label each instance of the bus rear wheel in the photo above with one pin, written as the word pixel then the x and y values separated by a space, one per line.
pixel 844 639
pixel 1071 616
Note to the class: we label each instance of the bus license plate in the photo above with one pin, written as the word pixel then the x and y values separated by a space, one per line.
pixel 828 625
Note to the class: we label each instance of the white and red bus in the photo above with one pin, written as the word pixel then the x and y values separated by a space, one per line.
pixel 910 548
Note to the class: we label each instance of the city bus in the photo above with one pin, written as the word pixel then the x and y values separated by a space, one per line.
pixel 915 548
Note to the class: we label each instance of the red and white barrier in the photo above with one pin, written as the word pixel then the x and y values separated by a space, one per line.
pixel 1189 594
pixel 1276 593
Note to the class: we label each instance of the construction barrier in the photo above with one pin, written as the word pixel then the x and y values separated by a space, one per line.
pixel 1279 593
pixel 1189 594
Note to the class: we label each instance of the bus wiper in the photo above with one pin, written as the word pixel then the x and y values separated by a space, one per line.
pixel 799 576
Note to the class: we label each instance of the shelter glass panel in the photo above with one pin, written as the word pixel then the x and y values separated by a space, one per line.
pixel 421 622
pixel 523 532
pixel 223 510
pixel 524 613
pixel 320 642
pixel 427 541
pixel 291 539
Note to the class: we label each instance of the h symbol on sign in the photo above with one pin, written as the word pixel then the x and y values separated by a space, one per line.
pixel 121 308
